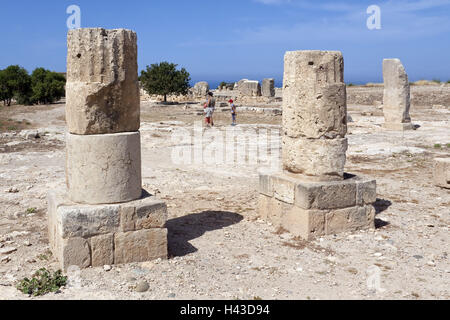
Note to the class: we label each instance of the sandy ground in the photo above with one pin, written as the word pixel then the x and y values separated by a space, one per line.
pixel 218 247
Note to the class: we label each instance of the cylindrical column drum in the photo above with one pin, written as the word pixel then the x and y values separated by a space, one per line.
pixel 103 169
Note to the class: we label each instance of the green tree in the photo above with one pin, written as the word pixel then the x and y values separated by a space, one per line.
pixel 3 87
pixel 47 87
pixel 164 79
pixel 15 82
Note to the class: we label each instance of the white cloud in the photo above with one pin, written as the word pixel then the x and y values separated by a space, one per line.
pixel 416 5
pixel 395 5
pixel 402 20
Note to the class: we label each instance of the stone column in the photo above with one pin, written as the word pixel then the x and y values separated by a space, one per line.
pixel 396 103
pixel 268 88
pixel 314 114
pixel 313 196
pixel 103 116
pixel 105 217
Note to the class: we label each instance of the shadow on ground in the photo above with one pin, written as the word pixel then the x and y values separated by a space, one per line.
pixel 184 229
pixel 380 206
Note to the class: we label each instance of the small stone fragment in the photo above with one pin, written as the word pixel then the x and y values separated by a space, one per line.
pixel 142 286
pixel 8 250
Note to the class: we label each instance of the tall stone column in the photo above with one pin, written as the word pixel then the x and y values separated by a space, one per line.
pixel 268 88
pixel 313 196
pixel 314 114
pixel 105 217
pixel 396 102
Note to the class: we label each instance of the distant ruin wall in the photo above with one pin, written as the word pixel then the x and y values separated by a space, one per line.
pixel 420 96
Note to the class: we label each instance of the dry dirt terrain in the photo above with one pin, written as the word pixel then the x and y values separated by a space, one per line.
pixel 218 247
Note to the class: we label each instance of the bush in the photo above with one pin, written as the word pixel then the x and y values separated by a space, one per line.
pixel 15 83
pixel 226 85
pixel 43 86
pixel 42 282
pixel 47 86
pixel 222 84
pixel 164 79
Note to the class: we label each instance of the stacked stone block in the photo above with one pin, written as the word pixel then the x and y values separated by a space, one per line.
pixel 313 195
pixel 441 172
pixel 250 88
pixel 201 89
pixel 104 217
pixel 98 235
pixel 309 209
pixel 397 97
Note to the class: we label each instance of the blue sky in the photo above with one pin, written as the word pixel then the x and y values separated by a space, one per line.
pixel 232 39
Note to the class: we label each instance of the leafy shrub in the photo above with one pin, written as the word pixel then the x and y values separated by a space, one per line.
pixel 226 85
pixel 42 282
pixel 47 86
pixel 31 210
pixel 15 83
pixel 43 86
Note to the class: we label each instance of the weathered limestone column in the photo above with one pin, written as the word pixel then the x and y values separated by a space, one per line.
pixel 313 196
pixel 268 88
pixel 396 96
pixel 314 114
pixel 103 98
pixel 105 217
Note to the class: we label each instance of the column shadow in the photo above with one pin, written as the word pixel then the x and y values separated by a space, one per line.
pixel 186 228
pixel 380 206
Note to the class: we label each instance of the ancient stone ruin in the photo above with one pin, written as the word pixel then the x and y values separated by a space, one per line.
pixel 250 88
pixel 104 217
pixel 441 172
pixel 396 96
pixel 313 196
pixel 200 89
pixel 268 88
pixel 239 84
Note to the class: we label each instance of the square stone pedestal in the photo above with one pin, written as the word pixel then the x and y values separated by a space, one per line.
pixel 98 235
pixel 441 172
pixel 398 126
pixel 311 209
